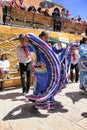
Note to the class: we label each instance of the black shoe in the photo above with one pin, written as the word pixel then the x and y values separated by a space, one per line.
pixel 72 81
pixel 76 81
pixel 83 90
pixel 31 100
pixel 27 91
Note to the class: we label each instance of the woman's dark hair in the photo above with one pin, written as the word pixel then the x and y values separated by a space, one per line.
pixel 84 39
pixel 56 9
pixel 63 9
pixel 29 9
pixel 56 13
pixel 43 33
pixel 3 55
pixel 81 42
pixel 34 8
pixel 39 9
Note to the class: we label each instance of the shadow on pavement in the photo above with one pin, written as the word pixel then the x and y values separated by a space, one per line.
pixel 84 114
pixel 59 108
pixel 76 96
pixel 24 111
pixel 10 95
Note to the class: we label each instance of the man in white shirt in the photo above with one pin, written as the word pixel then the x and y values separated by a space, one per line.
pixel 74 64
pixel 24 59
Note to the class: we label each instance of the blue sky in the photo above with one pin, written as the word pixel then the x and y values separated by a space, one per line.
pixel 76 7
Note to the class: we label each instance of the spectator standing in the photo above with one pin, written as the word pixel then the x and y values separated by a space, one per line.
pixel 56 19
pixel 67 14
pixel 4 8
pixel 63 13
pixel 6 65
pixel 24 59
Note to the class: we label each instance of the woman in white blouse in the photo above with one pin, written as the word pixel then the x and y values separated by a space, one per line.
pixel 5 66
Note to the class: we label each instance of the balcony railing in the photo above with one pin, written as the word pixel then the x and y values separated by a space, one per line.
pixel 24 18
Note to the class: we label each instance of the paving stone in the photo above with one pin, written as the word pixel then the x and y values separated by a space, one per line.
pixel 70 112
pixel 4 126
pixel 83 123
pixel 26 124
pixel 60 123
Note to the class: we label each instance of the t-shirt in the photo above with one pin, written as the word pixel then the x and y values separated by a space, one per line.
pixel 4 64
pixel 75 56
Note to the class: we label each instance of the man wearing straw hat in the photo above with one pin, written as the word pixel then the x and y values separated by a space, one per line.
pixel 24 59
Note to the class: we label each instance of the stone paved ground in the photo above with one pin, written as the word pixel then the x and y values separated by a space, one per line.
pixel 18 114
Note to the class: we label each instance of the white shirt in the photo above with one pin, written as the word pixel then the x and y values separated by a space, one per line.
pixel 77 56
pixel 21 55
pixel 4 64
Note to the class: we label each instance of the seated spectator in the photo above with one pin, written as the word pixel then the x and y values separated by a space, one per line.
pixel 31 9
pixel 79 19
pixel 67 14
pixel 46 12
pixel 84 22
pixel 39 10
pixel 6 65
pixel 73 20
pixel 22 6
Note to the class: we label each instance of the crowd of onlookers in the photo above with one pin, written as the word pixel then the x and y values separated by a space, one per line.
pixel 56 14
pixel 21 6
pixel 66 15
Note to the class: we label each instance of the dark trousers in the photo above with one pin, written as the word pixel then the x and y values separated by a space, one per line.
pixel 25 72
pixel 57 26
pixel 76 72
pixel 4 19
pixel 4 14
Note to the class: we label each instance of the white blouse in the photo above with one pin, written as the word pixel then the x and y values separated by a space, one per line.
pixel 4 64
